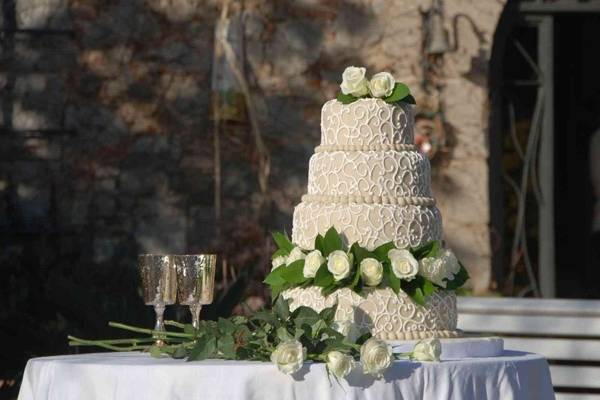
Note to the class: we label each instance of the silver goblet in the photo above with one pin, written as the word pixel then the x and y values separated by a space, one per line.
pixel 196 281
pixel 159 284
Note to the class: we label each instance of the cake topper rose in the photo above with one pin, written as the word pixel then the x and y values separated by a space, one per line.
pixel 382 85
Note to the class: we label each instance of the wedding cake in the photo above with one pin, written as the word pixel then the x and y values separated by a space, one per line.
pixel 367 180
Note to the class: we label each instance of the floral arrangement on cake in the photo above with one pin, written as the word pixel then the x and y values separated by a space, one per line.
pixel 284 337
pixel 419 272
pixel 383 85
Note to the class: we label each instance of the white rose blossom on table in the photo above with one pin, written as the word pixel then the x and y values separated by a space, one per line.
pixel 404 264
pixel 348 329
pixel 289 356
pixel 371 270
pixel 427 350
pixel 279 335
pixel 382 84
pixel 375 356
pixel 312 263
pixel 339 364
pixel 354 81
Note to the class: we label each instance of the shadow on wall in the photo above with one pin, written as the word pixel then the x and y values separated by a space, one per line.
pixel 106 152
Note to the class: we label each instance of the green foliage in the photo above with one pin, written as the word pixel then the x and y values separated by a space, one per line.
pixel 241 338
pixel 292 273
pixel 283 242
pixel 331 242
pixel 400 92
pixel 430 249
pixel 419 288
pixel 346 98
pixel 323 278
pixel 459 279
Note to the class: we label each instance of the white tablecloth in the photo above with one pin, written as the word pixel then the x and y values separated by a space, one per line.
pixel 129 376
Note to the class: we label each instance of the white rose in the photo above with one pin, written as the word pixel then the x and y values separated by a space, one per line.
pixel 295 255
pixel 450 262
pixel 354 81
pixel 371 271
pixel 347 328
pixel 427 350
pixel 382 84
pixel 339 364
pixel 277 262
pixel 376 356
pixel 289 356
pixel 404 264
pixel 437 270
pixel 312 263
pixel 339 264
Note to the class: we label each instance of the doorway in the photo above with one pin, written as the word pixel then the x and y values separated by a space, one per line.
pixel 545 96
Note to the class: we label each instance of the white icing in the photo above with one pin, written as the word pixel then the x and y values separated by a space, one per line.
pixel 368 224
pixel 375 147
pixel 385 314
pixel 368 199
pixel 365 181
pixel 366 122
pixel 382 173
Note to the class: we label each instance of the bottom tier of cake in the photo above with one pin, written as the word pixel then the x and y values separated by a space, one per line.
pixel 387 315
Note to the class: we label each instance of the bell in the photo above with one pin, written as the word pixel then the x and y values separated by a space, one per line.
pixel 438 37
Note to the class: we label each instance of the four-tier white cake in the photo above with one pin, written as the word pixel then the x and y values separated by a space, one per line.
pixel 368 181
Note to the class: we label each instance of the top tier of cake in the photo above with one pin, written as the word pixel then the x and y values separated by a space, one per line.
pixel 365 124
pixel 367 180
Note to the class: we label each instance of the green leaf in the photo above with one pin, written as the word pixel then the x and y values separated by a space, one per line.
pixel 346 98
pixel 418 289
pixel 155 351
pixel 293 273
pixel 356 278
pixel 305 315
pixel 409 100
pixel 326 291
pixel 277 289
pixel 274 278
pixel 360 253
pixel 459 279
pixel 226 347
pixel 399 93
pixel 323 277
pixel 283 334
pixel 328 314
pixel 393 281
pixel 279 253
pixel 206 347
pixel 363 338
pixel 226 326
pixel 282 308
pixel 429 249
pixel 319 243
pixel 331 242
pixel 381 252
pixel 283 242
pixel 180 352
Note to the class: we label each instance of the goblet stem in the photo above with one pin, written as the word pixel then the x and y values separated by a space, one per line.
pixel 195 310
pixel 159 309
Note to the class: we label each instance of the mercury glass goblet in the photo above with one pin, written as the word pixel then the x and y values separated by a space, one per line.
pixel 196 281
pixel 159 283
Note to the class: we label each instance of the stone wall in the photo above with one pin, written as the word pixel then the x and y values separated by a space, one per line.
pixel 106 145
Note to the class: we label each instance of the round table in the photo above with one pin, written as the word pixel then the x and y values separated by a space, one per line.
pixel 129 376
